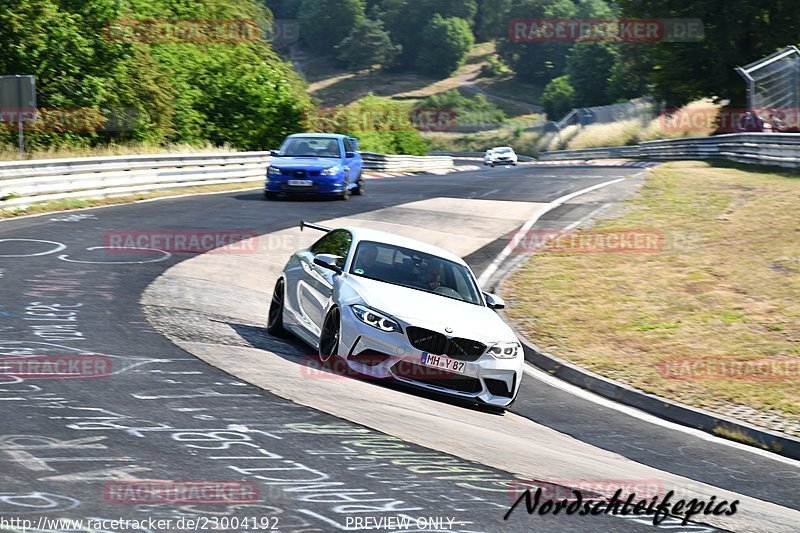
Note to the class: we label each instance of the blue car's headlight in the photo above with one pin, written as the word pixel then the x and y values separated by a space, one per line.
pixel 332 171
pixel 375 319
pixel 274 171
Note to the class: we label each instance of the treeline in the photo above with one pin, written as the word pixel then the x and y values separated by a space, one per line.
pixel 209 78
pixel 428 36
pixel 734 33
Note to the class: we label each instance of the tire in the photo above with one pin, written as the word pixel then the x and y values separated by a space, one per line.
pixel 270 195
pixel 359 191
pixel 329 337
pixel 491 164
pixel 275 317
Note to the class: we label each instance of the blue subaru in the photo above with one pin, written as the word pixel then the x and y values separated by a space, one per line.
pixel 315 163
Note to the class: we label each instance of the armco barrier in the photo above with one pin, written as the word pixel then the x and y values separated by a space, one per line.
pixel 390 163
pixel 28 182
pixel 781 149
pixel 623 152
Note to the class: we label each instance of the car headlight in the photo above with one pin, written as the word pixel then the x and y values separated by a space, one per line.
pixel 332 171
pixel 375 319
pixel 274 171
pixel 505 350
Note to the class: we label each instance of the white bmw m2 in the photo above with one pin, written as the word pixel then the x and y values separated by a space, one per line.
pixel 396 308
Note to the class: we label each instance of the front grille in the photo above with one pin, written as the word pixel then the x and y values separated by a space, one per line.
pixel 436 377
pixel 439 344
pixel 287 187
pixel 300 173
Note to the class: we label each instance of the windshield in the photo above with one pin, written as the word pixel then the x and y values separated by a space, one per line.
pixel 310 147
pixel 503 150
pixel 415 270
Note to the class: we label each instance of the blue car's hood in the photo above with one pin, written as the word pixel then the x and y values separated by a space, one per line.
pixel 305 163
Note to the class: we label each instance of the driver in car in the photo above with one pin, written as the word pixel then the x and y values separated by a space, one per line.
pixel 433 274
pixel 367 257
pixel 331 149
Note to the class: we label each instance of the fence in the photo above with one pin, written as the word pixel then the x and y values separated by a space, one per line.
pixel 28 182
pixel 774 81
pixel 753 148
pixel 640 109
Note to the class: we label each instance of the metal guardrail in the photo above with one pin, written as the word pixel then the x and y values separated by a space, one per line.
pixel 390 163
pixel 781 149
pixel 24 183
pixel 622 152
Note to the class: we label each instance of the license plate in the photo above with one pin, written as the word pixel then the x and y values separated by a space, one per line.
pixel 301 183
pixel 442 362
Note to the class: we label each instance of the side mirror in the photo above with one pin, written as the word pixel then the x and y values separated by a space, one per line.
pixel 274 153
pixel 328 261
pixel 494 302
pixel 349 155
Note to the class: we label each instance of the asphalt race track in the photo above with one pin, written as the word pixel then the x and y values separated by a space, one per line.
pixel 319 453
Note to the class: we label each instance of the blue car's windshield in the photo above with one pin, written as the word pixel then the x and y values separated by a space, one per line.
pixel 310 147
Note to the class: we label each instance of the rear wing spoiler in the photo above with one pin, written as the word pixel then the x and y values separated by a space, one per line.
pixel 318 227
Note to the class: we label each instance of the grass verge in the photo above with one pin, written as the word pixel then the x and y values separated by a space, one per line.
pixel 695 320
pixel 630 132
pixel 11 153
pixel 71 205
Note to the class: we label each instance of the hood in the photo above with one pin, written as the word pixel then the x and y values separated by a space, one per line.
pixel 305 163
pixel 433 311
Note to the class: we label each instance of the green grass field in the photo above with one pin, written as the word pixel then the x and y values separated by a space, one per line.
pixel 685 321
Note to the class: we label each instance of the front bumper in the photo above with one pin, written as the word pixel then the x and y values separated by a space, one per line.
pixel 320 186
pixel 382 355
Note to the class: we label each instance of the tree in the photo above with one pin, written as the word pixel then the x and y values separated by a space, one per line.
pixel 538 61
pixel 406 20
pixel 628 76
pixel 445 44
pixel 736 32
pixel 284 9
pixel 248 99
pixel 367 45
pixel 589 67
pixel 326 23
pixel 543 61
pixel 558 97
pixel 391 131
pixel 492 19
pixel 239 93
